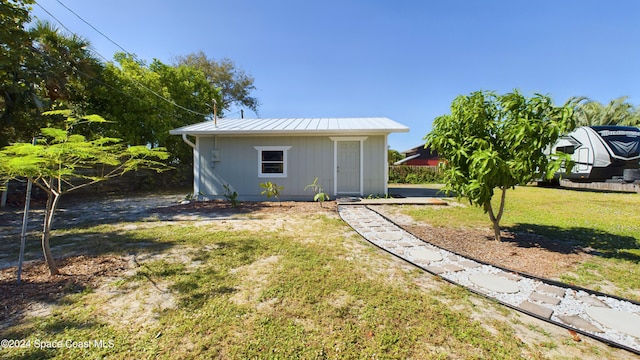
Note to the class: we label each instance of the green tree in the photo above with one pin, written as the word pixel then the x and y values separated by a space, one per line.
pixel 56 164
pixel 17 80
pixel 67 70
pixel 44 69
pixel 145 102
pixel 617 112
pixel 494 142
pixel 394 156
pixel 234 84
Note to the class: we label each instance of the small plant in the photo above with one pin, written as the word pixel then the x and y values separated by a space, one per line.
pixel 320 196
pixel 230 195
pixel 271 190
pixel 191 197
pixel 379 196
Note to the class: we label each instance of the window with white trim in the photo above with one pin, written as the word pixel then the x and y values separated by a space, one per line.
pixel 272 161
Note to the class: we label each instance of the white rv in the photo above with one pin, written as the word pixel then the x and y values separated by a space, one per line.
pixel 601 153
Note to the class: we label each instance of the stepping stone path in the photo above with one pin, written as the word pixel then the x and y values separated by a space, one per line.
pixel 609 319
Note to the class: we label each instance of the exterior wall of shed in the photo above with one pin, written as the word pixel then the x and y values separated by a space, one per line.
pixel 309 157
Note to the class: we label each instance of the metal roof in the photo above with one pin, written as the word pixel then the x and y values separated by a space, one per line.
pixel 293 126
pixel 400 162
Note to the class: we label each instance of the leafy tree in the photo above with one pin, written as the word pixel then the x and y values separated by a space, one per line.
pixel 44 69
pixel 234 84
pixel 57 164
pixel 494 141
pixel 617 112
pixel 17 80
pixel 66 65
pixel 394 156
pixel 145 102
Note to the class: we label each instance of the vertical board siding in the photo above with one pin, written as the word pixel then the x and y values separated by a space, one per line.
pixel 309 157
pixel 374 166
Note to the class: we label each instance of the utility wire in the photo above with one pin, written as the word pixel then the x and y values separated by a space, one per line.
pixel 111 62
pixel 93 27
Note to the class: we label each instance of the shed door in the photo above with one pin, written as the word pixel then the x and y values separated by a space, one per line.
pixel 348 167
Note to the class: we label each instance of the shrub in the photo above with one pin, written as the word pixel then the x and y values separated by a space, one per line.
pixel 405 174
pixel 271 189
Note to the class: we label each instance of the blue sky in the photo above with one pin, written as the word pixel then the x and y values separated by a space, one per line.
pixel 406 60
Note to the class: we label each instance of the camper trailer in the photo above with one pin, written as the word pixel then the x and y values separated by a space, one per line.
pixel 601 153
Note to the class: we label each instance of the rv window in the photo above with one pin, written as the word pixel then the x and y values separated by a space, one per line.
pixel 624 143
pixel 566 149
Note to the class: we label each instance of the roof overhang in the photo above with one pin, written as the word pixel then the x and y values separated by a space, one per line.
pixel 292 127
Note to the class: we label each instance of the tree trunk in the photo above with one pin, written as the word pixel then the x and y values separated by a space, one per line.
pixel 495 219
pixel 5 192
pixel 52 202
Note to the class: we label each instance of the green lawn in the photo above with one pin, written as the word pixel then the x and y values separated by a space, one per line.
pixel 297 286
pixel 606 222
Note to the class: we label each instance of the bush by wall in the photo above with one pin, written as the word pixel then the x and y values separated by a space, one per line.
pixel 406 174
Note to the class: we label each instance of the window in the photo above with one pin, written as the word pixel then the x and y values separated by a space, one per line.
pixel 272 161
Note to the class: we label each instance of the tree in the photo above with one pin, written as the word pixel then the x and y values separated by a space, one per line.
pixel 394 156
pixel 56 163
pixel 43 69
pixel 494 141
pixel 66 66
pixel 17 79
pixel 145 102
pixel 618 112
pixel 234 84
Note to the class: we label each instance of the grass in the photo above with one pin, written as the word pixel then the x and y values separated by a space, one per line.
pixel 309 289
pixel 256 294
pixel 609 223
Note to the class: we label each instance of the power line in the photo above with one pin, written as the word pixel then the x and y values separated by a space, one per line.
pixel 108 61
pixel 93 27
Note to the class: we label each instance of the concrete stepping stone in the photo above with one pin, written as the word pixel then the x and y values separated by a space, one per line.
pixel 551 300
pixel 469 264
pixel 553 290
pixel 435 270
pixel 452 268
pixel 593 301
pixel 422 253
pixel 495 283
pixel 626 322
pixel 509 276
pixel 578 322
pixel 390 236
pixel 406 244
pixel 536 309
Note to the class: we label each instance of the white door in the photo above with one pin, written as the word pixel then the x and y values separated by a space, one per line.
pixel 348 167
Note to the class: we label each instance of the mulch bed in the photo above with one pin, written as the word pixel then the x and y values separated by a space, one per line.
pixel 77 273
pixel 527 253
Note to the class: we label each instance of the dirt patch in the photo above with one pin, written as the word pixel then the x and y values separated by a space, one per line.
pixel 527 253
pixel 255 277
pixel 283 207
pixel 134 306
pixel 39 291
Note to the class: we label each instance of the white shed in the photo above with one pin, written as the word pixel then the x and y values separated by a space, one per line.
pixel 347 155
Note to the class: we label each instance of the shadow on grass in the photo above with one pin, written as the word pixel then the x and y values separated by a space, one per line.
pixel 85 265
pixel 78 215
pixel 576 239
